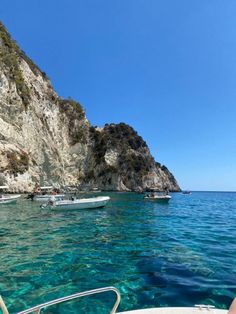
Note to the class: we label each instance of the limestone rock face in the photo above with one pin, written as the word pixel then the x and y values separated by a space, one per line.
pixel 49 140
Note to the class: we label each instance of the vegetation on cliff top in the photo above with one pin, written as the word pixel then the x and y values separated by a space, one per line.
pixel 12 46
pixel 10 55
pixel 120 136
pixel 123 134
pixel 132 158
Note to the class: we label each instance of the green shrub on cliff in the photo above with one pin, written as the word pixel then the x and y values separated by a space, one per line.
pixel 11 46
pixel 17 163
pixel 9 59
pixel 75 113
pixel 123 139
pixel 124 135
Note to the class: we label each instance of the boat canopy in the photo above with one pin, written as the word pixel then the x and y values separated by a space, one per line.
pixel 4 187
pixel 46 187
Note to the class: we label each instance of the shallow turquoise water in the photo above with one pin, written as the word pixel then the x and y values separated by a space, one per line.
pixel 178 254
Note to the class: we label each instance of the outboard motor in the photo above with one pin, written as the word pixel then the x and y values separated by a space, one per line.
pixel 30 196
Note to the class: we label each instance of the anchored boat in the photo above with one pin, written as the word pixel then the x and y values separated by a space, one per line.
pixel 83 203
pixel 44 193
pixel 198 309
pixel 186 192
pixel 158 197
pixel 7 198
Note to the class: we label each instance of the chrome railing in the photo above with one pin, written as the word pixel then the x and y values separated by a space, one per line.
pixel 3 306
pixel 204 306
pixel 36 309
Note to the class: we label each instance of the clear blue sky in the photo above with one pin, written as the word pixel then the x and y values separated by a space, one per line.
pixel 166 67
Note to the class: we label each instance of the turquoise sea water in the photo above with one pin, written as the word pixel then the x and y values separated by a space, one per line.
pixel 177 254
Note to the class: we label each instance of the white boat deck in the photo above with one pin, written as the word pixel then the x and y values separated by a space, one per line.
pixel 177 310
pixel 46 197
pixel 198 309
pixel 83 203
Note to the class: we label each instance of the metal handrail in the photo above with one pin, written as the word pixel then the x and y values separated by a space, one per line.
pixel 36 309
pixel 204 306
pixel 3 306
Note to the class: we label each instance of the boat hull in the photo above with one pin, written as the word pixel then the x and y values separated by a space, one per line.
pixel 162 199
pixel 9 199
pixel 86 203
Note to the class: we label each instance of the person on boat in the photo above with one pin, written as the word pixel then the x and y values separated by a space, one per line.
pixel 166 191
pixel 148 195
pixel 51 200
pixel 37 189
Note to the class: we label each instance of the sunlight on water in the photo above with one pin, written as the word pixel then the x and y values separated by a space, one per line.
pixel 178 254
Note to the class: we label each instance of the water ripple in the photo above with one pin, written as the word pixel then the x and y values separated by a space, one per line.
pixel 157 255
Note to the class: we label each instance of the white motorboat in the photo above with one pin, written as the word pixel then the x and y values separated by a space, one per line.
pixel 83 203
pixel 7 198
pixel 198 309
pixel 46 197
pixel 158 197
pixel 44 193
pixel 96 190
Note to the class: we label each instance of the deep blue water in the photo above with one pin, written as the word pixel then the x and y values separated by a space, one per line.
pixel 156 254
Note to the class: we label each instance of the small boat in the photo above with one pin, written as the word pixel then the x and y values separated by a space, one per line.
pixel 44 193
pixel 186 192
pixel 158 197
pixel 7 198
pixel 96 190
pixel 46 197
pixel 198 309
pixel 83 203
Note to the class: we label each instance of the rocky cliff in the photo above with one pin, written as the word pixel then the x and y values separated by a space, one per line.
pixel 49 140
